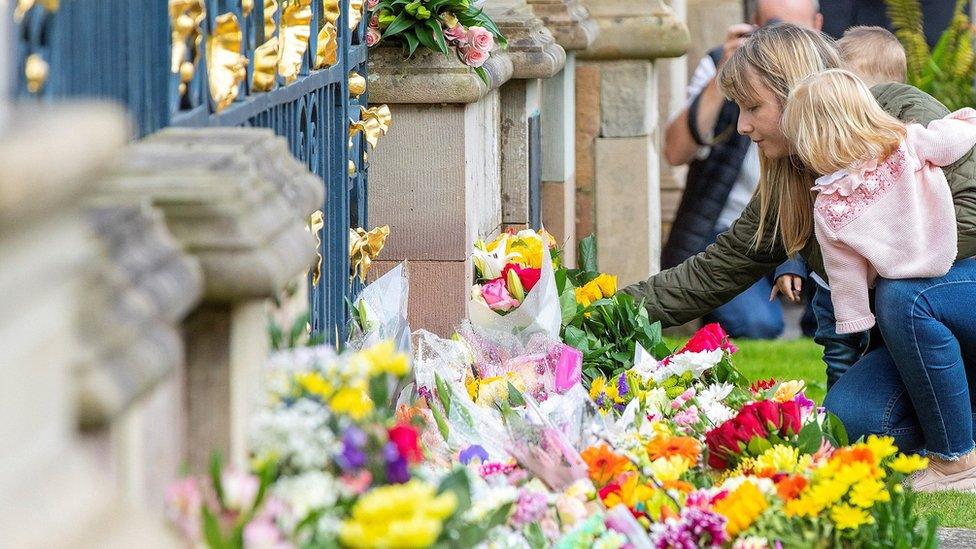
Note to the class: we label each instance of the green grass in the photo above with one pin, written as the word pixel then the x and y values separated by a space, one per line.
pixel 801 359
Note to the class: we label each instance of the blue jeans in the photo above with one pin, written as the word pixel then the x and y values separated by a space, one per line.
pixel 925 398
pixel 841 351
pixel 750 315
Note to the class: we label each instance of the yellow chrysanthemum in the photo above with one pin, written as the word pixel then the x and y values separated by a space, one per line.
pixel 399 515
pixel 881 447
pixel 788 390
pixel 846 517
pixel 868 492
pixel 383 359
pixel 742 507
pixel 314 384
pixel 353 402
pixel 908 464
pixel 780 459
pixel 669 469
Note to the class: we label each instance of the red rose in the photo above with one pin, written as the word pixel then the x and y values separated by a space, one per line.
pixel 748 425
pixel 527 276
pixel 405 438
pixel 722 444
pixel 768 412
pixel 791 418
pixel 709 338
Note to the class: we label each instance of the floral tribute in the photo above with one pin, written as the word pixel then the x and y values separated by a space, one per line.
pixel 445 26
pixel 508 267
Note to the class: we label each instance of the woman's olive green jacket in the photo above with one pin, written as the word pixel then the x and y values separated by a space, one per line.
pixel 733 263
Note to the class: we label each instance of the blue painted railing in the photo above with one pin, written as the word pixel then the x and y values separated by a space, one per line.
pixel 122 50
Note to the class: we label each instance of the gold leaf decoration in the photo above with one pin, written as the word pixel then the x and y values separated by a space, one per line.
pixel 356 8
pixel 226 66
pixel 328 46
pixel 267 55
pixel 247 6
pixel 351 168
pixel 374 122
pixel 357 84
pixel 363 249
pixel 296 28
pixel 331 10
pixel 185 18
pixel 24 6
pixel 36 71
pixel 315 224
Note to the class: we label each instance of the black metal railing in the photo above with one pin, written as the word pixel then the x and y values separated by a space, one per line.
pixel 279 64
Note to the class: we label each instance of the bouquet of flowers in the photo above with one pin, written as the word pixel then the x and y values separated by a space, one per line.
pixel 333 465
pixel 379 312
pixel 515 289
pixel 608 327
pixel 438 25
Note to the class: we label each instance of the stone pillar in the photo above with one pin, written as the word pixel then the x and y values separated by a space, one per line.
pixel 436 181
pixel 618 150
pixel 236 200
pixel 673 80
pixel 535 56
pixel 574 30
pixel 57 488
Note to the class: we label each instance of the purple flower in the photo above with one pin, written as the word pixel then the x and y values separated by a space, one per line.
pixel 622 388
pixel 806 405
pixel 396 466
pixel 694 528
pixel 424 391
pixel 530 507
pixel 352 457
pixel 472 452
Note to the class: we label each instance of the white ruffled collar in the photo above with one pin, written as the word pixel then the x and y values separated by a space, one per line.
pixel 845 182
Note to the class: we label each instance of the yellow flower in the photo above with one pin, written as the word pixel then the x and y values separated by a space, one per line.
pixel 669 469
pixel 868 492
pixel 742 507
pixel 588 293
pixel 788 390
pixel 908 464
pixel 630 493
pixel 353 402
pixel 314 384
pixel 383 359
pixel 526 248
pixel 780 459
pixel 881 447
pixel 600 386
pixel 606 283
pixel 399 515
pixel 848 517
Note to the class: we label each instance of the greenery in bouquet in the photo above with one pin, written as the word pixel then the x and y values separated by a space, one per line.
pixel 333 465
pixel 445 26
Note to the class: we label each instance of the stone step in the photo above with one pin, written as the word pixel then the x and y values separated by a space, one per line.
pixel 957 538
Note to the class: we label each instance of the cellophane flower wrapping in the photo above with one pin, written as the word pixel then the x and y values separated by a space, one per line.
pixel 380 312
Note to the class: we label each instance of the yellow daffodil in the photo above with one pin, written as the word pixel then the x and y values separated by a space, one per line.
pixel 399 515
pixel 908 464
pixel 742 507
pixel 846 517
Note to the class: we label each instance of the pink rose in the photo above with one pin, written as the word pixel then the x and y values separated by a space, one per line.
pixel 372 3
pixel 374 21
pixel 496 295
pixel 372 37
pixel 457 33
pixel 480 38
pixel 473 57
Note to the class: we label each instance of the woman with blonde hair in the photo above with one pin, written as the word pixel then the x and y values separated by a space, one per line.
pixel 874 396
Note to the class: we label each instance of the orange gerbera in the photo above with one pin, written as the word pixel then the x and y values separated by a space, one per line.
pixel 604 465
pixel 854 454
pixel 686 447
pixel 790 486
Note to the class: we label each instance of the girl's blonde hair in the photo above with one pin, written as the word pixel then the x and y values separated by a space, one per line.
pixel 777 57
pixel 835 123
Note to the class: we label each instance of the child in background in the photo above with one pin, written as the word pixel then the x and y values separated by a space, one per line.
pixel 876 56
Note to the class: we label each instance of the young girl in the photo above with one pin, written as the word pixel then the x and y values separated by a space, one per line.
pixel 884 216
pixel 884 208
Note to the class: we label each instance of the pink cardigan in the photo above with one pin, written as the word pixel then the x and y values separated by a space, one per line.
pixel 893 219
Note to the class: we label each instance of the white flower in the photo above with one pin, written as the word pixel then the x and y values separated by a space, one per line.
pixel 490 264
pixel 656 400
pixel 644 364
pixel 715 392
pixel 750 542
pixel 298 436
pixel 239 489
pixel 717 413
pixel 307 492
pixel 487 500
pixel 696 363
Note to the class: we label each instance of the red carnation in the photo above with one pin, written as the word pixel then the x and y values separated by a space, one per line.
pixel 527 276
pixel 405 437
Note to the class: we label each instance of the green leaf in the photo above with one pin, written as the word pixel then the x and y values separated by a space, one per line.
pixel 458 483
pixel 412 43
pixel 441 422
pixel 535 537
pixel 443 393
pixel 216 464
pixel 515 397
pixel 425 37
pixel 758 445
pixel 588 254
pixel 836 431
pixel 438 34
pixel 810 437
pixel 483 74
pixel 400 24
pixel 211 530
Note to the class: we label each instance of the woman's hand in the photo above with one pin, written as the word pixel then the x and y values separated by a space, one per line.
pixel 789 285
